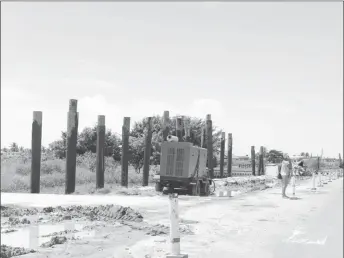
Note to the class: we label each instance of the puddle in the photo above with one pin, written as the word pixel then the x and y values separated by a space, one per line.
pixel 34 236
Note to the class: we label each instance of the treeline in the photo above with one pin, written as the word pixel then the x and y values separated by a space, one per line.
pixel 87 139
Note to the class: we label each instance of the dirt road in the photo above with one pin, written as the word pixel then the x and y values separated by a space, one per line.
pixel 259 223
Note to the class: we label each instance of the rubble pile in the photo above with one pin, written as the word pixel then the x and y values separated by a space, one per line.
pixel 9 251
pixel 98 213
pixel 8 211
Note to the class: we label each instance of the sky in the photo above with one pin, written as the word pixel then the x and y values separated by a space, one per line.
pixel 269 73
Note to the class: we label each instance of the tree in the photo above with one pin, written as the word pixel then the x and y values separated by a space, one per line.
pixel 275 156
pixel 307 155
pixel 59 147
pixel 140 128
pixel 87 142
pixel 136 150
pixel 14 147
pixel 302 154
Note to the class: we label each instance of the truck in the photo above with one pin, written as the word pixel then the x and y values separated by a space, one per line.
pixel 183 167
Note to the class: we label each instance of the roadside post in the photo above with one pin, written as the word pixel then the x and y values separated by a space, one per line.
pixel 293 183
pixel 320 184
pixel 324 180
pixel 329 176
pixel 174 228
pixel 313 182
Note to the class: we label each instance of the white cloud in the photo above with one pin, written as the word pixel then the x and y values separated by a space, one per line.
pixel 202 107
pixel 16 118
pixel 86 83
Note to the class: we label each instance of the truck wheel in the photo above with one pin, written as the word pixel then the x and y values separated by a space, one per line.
pixel 158 187
pixel 196 189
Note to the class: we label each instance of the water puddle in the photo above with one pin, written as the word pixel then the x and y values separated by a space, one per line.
pixel 34 236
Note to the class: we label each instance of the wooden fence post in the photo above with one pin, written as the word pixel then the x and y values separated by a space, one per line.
pixel 165 128
pixel 253 160
pixel 179 128
pixel 100 152
pixel 202 136
pixel 36 143
pixel 72 135
pixel 222 154
pixel 147 153
pixel 261 161
pixel 209 133
pixel 125 151
pixel 229 155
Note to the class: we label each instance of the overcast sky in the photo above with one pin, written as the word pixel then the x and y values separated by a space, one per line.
pixel 269 73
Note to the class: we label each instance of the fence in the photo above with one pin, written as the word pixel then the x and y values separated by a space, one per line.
pixel 255 167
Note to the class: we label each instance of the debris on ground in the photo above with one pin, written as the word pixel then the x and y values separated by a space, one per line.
pixel 157 229
pixel 244 184
pixel 48 209
pixel 55 240
pixel 64 232
pixel 9 251
pixel 8 231
pixel 99 213
pixel 92 213
pixel 7 211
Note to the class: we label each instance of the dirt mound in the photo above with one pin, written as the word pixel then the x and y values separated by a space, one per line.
pixel 157 229
pixel 14 221
pixel 60 233
pixel 99 213
pixel 55 240
pixel 9 251
pixel 7 211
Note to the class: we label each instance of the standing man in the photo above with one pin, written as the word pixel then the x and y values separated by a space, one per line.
pixel 286 171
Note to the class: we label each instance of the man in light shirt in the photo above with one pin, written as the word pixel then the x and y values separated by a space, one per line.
pixel 286 171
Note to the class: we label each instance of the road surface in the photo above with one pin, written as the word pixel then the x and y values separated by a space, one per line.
pixel 257 224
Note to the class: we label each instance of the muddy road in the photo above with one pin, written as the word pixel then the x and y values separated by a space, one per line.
pixel 136 226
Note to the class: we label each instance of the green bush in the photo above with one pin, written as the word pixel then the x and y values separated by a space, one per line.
pixel 15 174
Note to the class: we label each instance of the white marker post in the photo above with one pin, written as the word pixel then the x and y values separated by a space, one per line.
pixel 293 183
pixel 174 228
pixel 313 182
pixel 320 181
pixel 329 176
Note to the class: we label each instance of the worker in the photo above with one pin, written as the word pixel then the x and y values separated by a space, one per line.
pixel 285 170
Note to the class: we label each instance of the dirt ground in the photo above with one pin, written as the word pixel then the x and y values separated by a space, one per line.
pixel 103 230
pixel 91 227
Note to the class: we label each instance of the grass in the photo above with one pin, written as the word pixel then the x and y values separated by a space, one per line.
pixel 15 175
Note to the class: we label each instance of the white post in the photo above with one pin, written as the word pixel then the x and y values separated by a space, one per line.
pixel 293 182
pixel 320 180
pixel 313 182
pixel 329 176
pixel 34 237
pixel 174 228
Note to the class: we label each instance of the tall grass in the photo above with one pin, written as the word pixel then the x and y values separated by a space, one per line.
pixel 15 174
